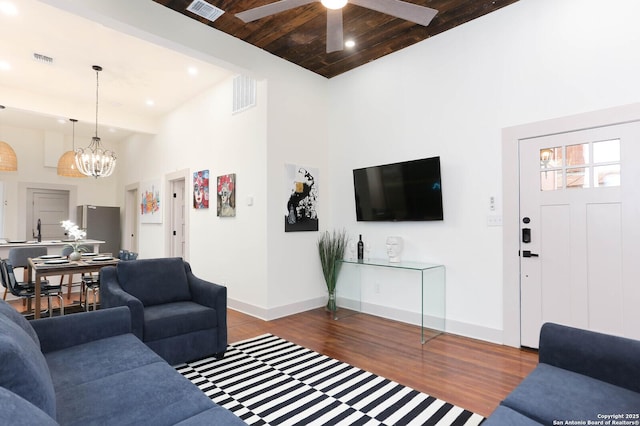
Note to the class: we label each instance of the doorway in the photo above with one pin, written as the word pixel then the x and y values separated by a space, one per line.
pixel 176 210
pixel 130 241
pixel 581 225
pixel 49 207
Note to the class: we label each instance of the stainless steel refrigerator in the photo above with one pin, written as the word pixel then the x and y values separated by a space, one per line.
pixel 101 223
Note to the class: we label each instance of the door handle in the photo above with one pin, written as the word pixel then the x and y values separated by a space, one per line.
pixel 527 253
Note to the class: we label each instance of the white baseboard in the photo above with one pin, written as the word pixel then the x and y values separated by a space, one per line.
pixel 451 326
pixel 278 312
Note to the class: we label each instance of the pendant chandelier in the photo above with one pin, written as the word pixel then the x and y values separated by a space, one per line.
pixel 94 160
pixel 67 162
pixel 8 158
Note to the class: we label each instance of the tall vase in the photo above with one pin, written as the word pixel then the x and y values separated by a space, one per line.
pixel 332 306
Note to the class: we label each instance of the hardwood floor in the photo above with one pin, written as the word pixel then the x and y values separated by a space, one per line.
pixel 472 374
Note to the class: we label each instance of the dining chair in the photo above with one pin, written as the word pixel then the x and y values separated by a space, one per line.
pixel 66 251
pixel 92 282
pixel 19 258
pixel 27 290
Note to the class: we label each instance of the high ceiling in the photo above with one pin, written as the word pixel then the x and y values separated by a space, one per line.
pixel 39 93
pixel 44 95
pixel 299 35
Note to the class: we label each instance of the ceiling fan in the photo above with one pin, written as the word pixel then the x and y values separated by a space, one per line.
pixel 400 9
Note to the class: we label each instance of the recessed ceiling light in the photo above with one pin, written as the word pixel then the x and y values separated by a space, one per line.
pixel 62 120
pixel 150 102
pixel 5 66
pixel 349 44
pixel 192 71
pixel 8 8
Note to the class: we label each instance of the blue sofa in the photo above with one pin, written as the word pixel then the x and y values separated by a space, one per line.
pixel 89 369
pixel 181 317
pixel 582 377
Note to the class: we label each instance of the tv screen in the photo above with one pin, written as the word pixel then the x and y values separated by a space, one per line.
pixel 406 191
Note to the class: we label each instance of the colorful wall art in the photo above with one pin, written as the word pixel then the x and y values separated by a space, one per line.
pixel 301 208
pixel 150 206
pixel 201 189
pixel 226 195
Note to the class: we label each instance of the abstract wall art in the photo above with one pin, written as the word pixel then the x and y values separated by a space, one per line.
pixel 301 205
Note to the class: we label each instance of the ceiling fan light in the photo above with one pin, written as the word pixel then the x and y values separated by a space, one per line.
pixel 334 4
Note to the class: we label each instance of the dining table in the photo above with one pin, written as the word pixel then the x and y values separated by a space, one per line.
pixel 58 265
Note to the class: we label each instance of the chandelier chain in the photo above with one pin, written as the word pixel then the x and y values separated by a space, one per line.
pixel 94 160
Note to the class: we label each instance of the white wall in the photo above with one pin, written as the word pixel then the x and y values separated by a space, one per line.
pixel 451 96
pixel 267 272
pixel 203 134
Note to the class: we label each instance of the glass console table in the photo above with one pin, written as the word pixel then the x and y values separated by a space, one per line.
pixel 432 291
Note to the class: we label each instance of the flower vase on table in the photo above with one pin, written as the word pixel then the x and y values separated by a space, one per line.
pixel 77 234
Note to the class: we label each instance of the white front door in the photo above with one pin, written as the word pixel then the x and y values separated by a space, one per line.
pixel 579 232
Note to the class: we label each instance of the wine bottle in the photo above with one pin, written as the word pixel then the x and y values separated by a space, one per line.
pixel 360 249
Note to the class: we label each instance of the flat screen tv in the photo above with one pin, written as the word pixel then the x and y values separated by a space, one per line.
pixel 406 191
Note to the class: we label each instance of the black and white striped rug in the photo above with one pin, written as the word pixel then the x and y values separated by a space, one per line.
pixel 269 381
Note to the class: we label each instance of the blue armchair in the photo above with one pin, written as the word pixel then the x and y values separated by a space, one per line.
pixel 177 315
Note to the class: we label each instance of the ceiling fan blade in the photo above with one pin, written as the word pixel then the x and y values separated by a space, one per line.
pixel 270 9
pixel 334 30
pixel 400 9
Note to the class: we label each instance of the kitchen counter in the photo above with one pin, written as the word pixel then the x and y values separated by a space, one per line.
pixel 53 246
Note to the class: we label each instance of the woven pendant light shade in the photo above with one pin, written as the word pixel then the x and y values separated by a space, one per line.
pixel 8 159
pixel 67 165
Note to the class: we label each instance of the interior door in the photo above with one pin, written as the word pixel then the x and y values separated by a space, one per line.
pixel 131 215
pixel 579 239
pixel 178 218
pixel 51 207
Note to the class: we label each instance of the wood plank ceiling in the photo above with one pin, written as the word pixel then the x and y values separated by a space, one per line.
pixel 299 35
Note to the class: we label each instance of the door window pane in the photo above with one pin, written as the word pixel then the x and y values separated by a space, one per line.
pixel 551 180
pixel 578 177
pixel 578 155
pixel 551 157
pixel 607 175
pixel 606 151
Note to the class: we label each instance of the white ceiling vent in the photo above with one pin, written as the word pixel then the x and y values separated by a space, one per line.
pixel 244 93
pixel 42 59
pixel 204 9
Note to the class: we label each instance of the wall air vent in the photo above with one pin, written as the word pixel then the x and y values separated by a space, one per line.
pixel 244 93
pixel 204 9
pixel 42 59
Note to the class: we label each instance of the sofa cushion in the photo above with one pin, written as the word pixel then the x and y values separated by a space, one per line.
pixel 9 312
pixel 17 411
pixel 550 393
pixel 153 394
pixel 506 416
pixel 23 369
pixel 172 319
pixel 155 281
pixel 95 360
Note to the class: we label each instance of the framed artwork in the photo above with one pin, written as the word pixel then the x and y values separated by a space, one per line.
pixel 301 208
pixel 150 206
pixel 226 195
pixel 201 189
